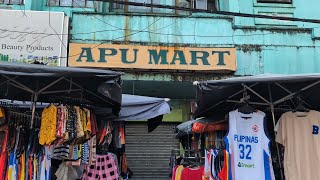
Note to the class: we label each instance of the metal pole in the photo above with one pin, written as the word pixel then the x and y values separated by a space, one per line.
pixel 274 124
pixel 34 103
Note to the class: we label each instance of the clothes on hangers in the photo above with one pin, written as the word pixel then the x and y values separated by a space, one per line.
pixel 209 165
pixel 248 144
pixel 224 173
pixel 66 172
pixel 298 132
pixel 48 125
pixel 74 128
pixel 67 133
pixel 105 169
pixel 199 127
pixel 210 140
pixel 195 173
pixel 66 124
pixel 124 163
pixel 174 170
pixel 3 155
pixel 2 116
pixel 178 172
pixel 92 149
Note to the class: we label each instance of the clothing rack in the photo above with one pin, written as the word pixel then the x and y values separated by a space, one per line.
pixel 217 140
pixel 21 114
pixel 69 100
pixel 24 117
pixel 279 109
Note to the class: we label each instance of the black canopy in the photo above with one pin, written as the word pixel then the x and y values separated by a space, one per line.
pixel 43 83
pixel 265 91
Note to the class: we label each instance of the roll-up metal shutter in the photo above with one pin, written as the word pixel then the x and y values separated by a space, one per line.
pixel 149 153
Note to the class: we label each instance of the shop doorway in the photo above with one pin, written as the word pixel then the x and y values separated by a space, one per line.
pixel 149 153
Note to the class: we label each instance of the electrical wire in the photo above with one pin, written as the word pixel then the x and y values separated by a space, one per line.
pixel 97 17
pixel 317 21
pixel 175 8
pixel 118 37
pixel 61 39
pixel 137 31
pixel 151 32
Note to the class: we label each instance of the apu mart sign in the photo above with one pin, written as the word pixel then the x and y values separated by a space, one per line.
pixel 29 36
pixel 152 57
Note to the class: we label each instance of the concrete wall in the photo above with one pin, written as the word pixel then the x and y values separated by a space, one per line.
pixel 263 46
pixel 287 47
pixel 259 49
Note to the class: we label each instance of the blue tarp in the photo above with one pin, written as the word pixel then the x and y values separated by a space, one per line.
pixel 135 108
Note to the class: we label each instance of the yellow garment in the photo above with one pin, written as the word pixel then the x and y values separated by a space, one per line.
pixel 88 119
pixel 179 172
pixel 48 125
pixel 84 120
pixel 22 171
pixel 1 112
pixel 35 169
pixel 79 127
pixel 79 150
pixel 10 173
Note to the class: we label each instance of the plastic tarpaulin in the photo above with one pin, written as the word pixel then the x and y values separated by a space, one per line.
pixel 22 82
pixel 266 90
pixel 134 108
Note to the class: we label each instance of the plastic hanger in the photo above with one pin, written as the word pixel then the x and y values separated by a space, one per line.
pixel 300 107
pixel 246 108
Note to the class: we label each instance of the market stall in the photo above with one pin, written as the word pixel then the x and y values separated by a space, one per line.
pixel 65 130
pixel 111 126
pixel 263 99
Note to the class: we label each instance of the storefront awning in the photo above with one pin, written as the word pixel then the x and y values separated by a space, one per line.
pixel 135 108
pixel 265 91
pixel 24 82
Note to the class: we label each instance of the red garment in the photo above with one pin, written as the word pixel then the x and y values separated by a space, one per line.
pixel 59 133
pixel 122 134
pixel 19 168
pixel 208 127
pixel 174 172
pixel 94 128
pixel 30 170
pixel 224 172
pixel 4 156
pixel 192 173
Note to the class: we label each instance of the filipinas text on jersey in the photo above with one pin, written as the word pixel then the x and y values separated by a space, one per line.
pixel 247 139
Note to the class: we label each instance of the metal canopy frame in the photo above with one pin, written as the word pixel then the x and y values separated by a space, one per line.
pixel 271 103
pixel 36 92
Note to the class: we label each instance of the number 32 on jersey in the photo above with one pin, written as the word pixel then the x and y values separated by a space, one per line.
pixel 245 151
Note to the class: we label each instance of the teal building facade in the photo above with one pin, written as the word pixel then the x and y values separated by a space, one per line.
pixel 262 45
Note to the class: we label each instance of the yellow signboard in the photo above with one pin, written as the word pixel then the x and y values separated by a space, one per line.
pixel 152 57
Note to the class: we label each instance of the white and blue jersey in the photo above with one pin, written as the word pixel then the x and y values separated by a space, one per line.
pixel 248 154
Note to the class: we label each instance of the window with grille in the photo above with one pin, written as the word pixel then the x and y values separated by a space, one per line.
pixel 275 1
pixel 205 4
pixel 11 2
pixel 196 4
pixel 71 3
pixel 130 8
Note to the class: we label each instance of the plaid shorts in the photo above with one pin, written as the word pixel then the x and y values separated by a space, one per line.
pixel 103 169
